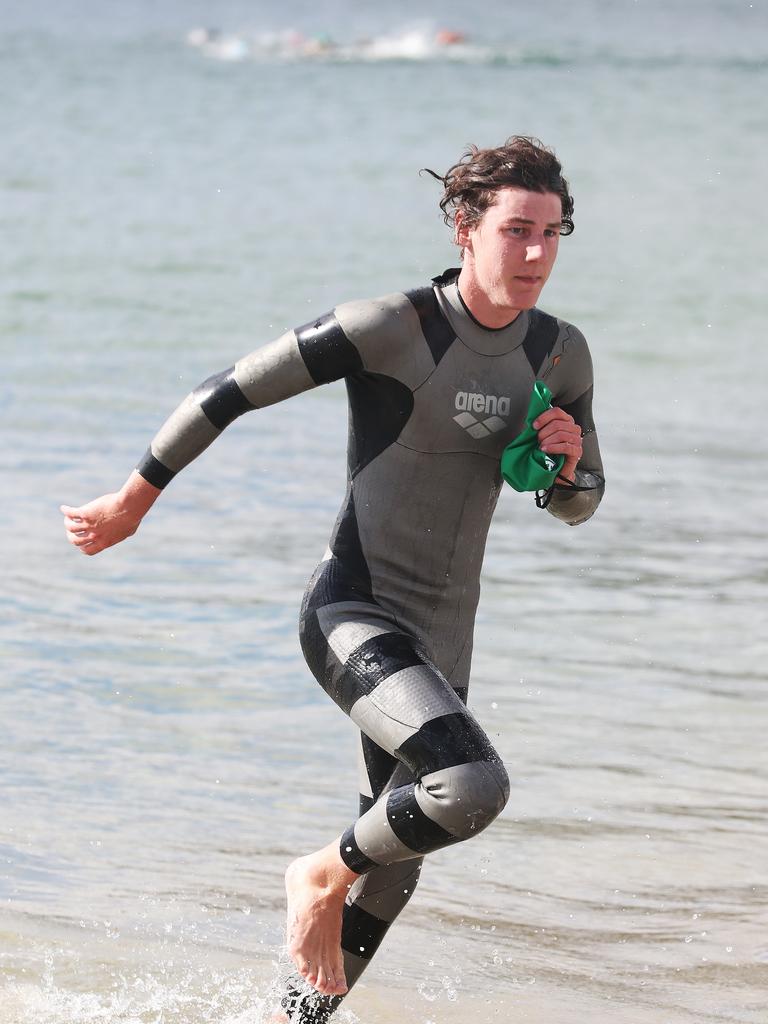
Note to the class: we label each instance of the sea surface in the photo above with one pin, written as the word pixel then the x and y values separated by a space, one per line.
pixel 173 196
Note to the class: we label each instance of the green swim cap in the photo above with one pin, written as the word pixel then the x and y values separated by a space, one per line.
pixel 523 464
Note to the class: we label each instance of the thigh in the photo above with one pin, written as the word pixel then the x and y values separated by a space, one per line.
pixel 376 672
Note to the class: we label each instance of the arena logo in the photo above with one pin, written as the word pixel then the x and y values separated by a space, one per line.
pixel 473 401
pixel 492 406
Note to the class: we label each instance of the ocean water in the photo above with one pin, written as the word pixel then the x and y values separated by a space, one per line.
pixel 170 201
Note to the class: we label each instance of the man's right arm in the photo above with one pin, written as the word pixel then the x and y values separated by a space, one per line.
pixel 317 353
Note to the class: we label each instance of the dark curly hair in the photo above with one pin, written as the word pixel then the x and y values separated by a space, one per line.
pixel 522 162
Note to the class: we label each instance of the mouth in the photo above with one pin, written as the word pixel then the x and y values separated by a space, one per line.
pixel 526 279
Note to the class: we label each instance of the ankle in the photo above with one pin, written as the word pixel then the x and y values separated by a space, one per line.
pixel 338 877
pixel 326 872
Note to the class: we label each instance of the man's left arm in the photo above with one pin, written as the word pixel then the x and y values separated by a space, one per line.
pixel 568 429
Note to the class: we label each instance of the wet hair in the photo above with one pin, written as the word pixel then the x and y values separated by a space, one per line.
pixel 521 162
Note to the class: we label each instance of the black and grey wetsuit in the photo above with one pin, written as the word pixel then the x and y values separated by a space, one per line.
pixel 387 620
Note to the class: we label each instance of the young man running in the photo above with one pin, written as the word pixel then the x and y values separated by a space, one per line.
pixel 438 380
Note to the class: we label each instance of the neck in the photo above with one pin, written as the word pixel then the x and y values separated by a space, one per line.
pixel 482 308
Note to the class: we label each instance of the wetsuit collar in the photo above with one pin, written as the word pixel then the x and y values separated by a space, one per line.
pixel 489 341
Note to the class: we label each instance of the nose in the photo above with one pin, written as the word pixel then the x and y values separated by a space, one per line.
pixel 534 252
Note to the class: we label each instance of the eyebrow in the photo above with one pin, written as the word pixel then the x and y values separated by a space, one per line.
pixel 523 220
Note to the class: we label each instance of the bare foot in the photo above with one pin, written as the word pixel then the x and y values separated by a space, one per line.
pixel 317 886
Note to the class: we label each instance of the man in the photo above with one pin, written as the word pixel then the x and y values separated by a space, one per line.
pixel 439 381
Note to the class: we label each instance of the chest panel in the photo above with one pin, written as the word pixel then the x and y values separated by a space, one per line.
pixel 470 403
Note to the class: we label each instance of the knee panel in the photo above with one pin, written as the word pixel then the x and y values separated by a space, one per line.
pixel 465 798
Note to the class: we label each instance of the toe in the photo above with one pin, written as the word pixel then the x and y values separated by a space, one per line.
pixel 323 980
pixel 337 976
pixel 299 961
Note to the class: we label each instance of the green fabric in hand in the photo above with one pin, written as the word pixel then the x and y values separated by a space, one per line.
pixel 523 464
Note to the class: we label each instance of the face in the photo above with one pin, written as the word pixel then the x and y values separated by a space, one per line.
pixel 509 254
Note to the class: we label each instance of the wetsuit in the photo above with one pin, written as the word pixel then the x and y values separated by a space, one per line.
pixel 387 619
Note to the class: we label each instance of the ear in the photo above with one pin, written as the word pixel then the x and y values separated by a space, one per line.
pixel 462 231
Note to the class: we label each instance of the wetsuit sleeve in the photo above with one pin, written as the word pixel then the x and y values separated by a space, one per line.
pixel 572 390
pixel 317 353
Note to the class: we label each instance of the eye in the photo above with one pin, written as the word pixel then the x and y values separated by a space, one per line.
pixel 550 233
pixel 517 230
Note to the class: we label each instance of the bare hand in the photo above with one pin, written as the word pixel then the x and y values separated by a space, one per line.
pixel 99 524
pixel 560 435
pixel 107 520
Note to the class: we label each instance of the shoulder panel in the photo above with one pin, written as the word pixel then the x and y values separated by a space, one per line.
pixel 543 331
pixel 438 333
pixel 388 335
pixel 569 373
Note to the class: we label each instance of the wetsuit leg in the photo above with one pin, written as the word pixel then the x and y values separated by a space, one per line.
pixel 383 679
pixel 431 776
pixel 373 903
